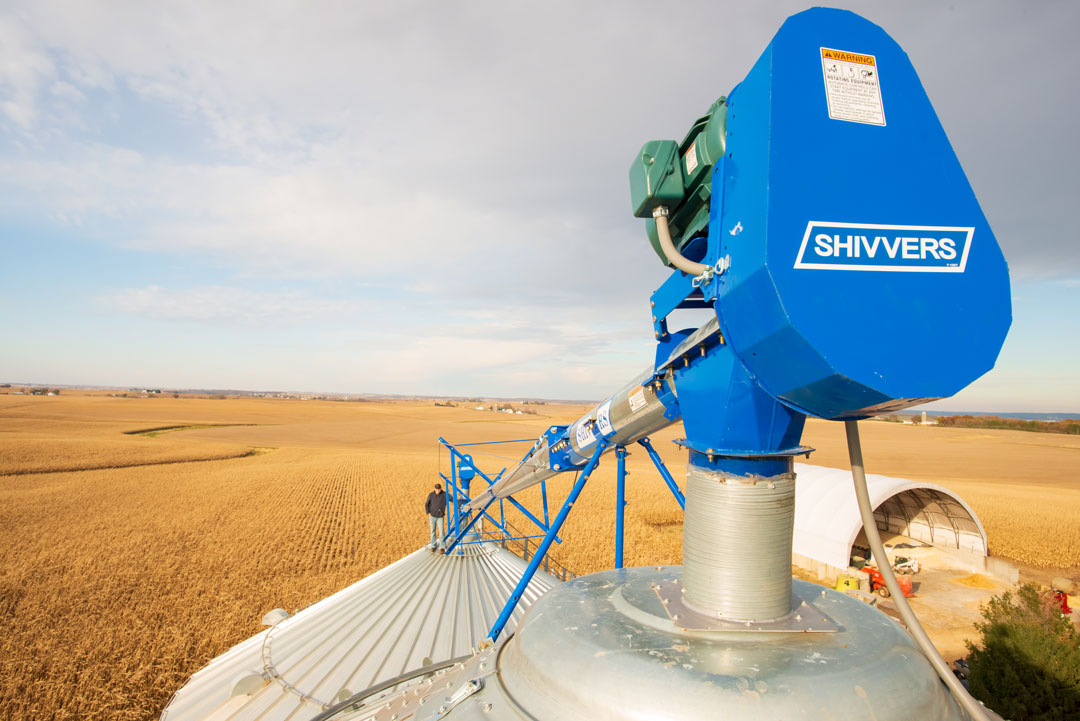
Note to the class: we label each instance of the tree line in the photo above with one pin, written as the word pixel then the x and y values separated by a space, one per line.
pixel 1070 426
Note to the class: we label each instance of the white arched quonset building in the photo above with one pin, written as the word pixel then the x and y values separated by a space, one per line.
pixel 827 520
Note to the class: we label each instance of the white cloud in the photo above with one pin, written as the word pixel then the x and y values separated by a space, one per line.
pixel 481 360
pixel 67 92
pixel 355 139
pixel 229 306
pixel 327 221
pixel 24 67
pixel 466 159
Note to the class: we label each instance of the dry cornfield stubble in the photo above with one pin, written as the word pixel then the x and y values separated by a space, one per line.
pixel 1036 526
pixel 1024 486
pixel 117 583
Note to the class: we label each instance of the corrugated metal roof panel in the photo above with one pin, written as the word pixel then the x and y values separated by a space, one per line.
pixel 425 607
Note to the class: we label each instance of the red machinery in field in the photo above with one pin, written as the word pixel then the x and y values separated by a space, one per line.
pixel 877 583
pixel 1062 598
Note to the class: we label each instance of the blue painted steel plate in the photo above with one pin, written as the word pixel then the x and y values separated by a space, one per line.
pixel 864 277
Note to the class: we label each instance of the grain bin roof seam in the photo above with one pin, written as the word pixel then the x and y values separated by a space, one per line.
pixel 424 606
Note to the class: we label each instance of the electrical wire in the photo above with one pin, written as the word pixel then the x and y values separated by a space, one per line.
pixel 354 700
pixel 862 494
pixel 677 259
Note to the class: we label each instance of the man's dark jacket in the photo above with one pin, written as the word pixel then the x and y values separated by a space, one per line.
pixel 436 504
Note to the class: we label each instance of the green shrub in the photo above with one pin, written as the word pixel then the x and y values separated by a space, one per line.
pixel 1026 666
pixel 1069 426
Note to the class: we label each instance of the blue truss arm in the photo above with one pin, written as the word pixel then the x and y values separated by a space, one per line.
pixel 491 482
pixel 659 463
pixel 620 503
pixel 523 509
pixel 468 527
pixel 543 492
pixel 542 549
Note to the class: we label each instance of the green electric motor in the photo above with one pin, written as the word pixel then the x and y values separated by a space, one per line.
pixel 679 177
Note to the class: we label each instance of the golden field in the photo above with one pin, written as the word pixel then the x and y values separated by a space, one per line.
pixel 128 561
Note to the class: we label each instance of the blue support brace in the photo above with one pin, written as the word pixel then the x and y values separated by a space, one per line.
pixel 659 463
pixel 454 484
pixel 462 514
pixel 458 497
pixel 530 516
pixel 513 501
pixel 620 503
pixel 543 492
pixel 542 549
pixel 468 527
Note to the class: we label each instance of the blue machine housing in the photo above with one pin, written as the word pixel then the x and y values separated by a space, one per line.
pixel 863 275
pixel 466 469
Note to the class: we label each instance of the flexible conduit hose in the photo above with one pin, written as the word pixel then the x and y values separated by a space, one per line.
pixel 677 259
pixel 356 698
pixel 858 473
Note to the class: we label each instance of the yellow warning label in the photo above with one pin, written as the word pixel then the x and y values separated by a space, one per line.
pixel 827 54
pixel 852 87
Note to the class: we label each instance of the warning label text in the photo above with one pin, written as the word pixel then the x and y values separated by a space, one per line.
pixel 852 87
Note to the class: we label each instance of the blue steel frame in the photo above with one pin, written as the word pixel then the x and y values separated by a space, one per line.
pixel 462 523
pixel 620 491
pixel 620 503
pixel 534 564
pixel 677 292
pixel 664 472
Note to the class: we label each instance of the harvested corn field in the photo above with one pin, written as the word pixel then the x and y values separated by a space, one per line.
pixel 123 582
pixel 127 562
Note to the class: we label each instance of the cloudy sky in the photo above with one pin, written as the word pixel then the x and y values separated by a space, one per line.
pixel 431 197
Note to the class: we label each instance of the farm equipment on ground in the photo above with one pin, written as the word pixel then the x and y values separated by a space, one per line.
pixel 1061 598
pixel 877 583
pixel 906 566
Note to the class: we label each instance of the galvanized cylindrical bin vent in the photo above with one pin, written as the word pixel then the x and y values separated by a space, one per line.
pixel 737 544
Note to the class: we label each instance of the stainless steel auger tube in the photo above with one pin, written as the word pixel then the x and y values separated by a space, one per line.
pixel 737 545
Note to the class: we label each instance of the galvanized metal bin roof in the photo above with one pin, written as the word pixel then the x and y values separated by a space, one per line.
pixel 827 519
pixel 425 607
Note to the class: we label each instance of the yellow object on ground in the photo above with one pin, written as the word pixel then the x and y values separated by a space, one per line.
pixel 845 582
pixel 975 580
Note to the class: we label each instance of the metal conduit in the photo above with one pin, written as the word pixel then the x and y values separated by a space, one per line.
pixel 353 703
pixel 737 545
pixel 677 259
pixel 973 707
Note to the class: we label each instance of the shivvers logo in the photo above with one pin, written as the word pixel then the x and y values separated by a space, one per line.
pixel 859 246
